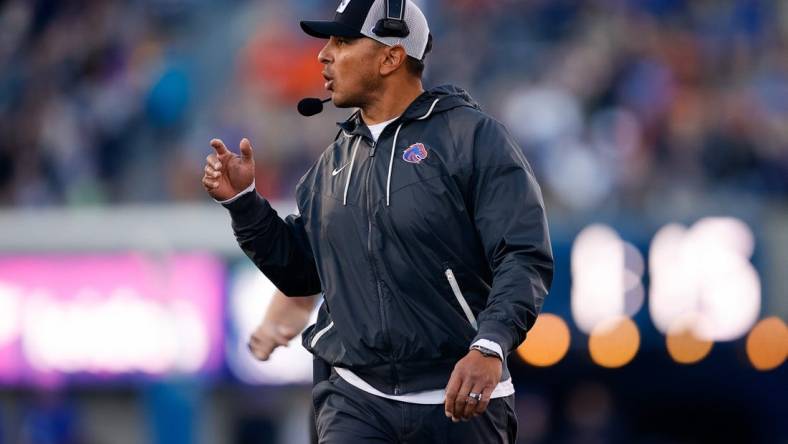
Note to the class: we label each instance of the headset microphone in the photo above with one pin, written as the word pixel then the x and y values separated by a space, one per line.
pixel 311 106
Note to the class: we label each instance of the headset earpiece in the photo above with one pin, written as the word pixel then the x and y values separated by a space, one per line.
pixel 393 24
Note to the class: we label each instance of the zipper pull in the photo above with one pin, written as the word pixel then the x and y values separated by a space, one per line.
pixel 372 150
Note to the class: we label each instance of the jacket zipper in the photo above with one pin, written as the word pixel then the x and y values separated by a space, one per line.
pixel 320 334
pixel 370 252
pixel 455 288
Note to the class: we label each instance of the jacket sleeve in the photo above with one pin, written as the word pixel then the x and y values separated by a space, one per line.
pixel 509 214
pixel 279 248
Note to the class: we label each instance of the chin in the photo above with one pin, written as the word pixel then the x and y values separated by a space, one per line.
pixel 339 102
pixel 343 101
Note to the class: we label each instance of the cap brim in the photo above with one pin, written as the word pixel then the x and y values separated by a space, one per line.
pixel 324 29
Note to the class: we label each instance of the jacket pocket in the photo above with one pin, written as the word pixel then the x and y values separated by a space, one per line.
pixel 455 288
pixel 320 334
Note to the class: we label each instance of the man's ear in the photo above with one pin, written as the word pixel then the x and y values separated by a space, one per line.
pixel 395 57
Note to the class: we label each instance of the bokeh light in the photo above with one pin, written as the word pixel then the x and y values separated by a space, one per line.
pixel 684 346
pixel 767 344
pixel 547 342
pixel 606 277
pixel 705 272
pixel 614 342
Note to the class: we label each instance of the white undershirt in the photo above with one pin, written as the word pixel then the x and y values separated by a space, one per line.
pixel 378 128
pixel 437 396
pixel 503 389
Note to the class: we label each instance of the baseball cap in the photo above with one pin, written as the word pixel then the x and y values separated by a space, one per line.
pixel 364 18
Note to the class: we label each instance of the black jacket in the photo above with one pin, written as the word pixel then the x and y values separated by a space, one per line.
pixel 418 254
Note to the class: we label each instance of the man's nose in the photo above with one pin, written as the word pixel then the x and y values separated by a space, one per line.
pixel 324 56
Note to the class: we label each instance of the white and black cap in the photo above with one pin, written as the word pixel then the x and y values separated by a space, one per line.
pixel 391 22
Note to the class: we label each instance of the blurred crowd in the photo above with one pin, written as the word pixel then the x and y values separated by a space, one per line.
pixel 621 104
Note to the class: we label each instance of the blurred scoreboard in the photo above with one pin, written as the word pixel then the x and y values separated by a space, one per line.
pixel 98 318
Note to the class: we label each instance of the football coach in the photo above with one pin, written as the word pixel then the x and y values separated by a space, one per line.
pixel 423 227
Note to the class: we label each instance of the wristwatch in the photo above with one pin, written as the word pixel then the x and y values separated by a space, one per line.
pixel 486 351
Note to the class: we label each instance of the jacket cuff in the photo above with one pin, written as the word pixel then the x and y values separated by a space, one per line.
pixel 248 209
pixel 248 189
pixel 497 332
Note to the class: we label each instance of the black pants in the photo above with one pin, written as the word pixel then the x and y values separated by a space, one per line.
pixel 345 414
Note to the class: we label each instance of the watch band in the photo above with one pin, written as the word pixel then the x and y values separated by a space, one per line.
pixel 486 351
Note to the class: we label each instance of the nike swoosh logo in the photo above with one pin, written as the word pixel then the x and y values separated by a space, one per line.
pixel 335 172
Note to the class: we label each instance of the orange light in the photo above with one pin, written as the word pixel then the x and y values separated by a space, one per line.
pixel 767 344
pixel 685 347
pixel 547 342
pixel 614 342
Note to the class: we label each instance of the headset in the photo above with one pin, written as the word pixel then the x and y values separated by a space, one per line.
pixel 393 24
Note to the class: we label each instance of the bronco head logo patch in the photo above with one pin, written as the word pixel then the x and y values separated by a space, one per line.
pixel 415 153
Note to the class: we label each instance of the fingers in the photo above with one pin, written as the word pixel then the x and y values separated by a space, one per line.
pixel 471 404
pixel 214 162
pixel 219 147
pixel 211 173
pixel 461 401
pixel 482 406
pixel 452 391
pixel 246 149
pixel 473 374
pixel 267 338
pixel 261 349
pixel 209 184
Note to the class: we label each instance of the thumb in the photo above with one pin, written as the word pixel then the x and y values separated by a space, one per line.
pixel 219 147
pixel 246 149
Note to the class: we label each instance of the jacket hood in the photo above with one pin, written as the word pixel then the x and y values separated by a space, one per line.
pixel 439 99
pixel 433 101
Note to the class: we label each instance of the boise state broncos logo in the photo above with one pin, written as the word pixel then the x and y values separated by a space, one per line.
pixel 415 153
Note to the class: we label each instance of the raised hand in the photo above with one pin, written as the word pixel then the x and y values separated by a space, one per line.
pixel 226 173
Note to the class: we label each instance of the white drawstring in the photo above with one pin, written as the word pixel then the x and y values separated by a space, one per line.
pixel 352 161
pixel 391 164
pixel 394 149
pixel 430 110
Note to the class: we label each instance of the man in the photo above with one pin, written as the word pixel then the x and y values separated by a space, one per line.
pixel 423 227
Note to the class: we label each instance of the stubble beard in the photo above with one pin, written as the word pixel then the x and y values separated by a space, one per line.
pixel 369 85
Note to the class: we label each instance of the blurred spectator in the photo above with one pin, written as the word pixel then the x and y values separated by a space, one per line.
pixel 618 104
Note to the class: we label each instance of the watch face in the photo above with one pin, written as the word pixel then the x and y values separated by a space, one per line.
pixel 485 351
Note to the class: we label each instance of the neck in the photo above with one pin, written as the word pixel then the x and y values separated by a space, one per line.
pixel 392 101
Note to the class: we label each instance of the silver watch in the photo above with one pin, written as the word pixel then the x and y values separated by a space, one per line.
pixel 486 351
